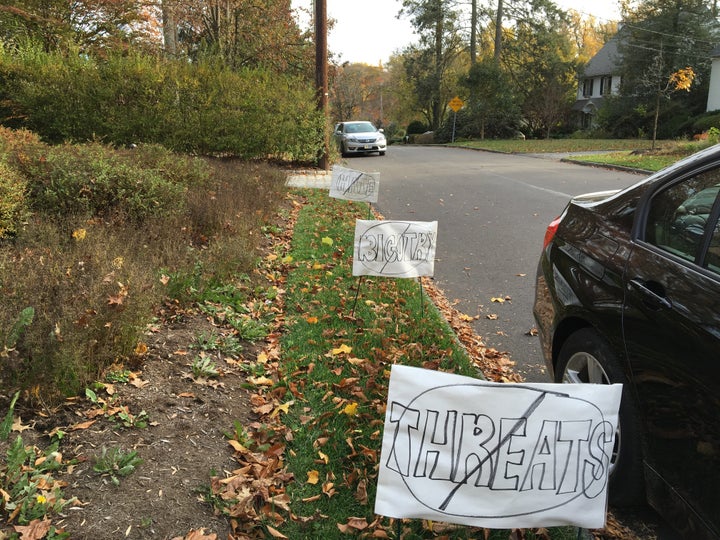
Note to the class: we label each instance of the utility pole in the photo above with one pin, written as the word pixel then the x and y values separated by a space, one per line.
pixel 321 75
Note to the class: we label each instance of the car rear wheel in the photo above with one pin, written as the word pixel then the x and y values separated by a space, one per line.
pixel 587 358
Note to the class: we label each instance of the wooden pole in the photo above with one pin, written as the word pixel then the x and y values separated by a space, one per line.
pixel 321 75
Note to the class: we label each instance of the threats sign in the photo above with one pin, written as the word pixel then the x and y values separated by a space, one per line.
pixel 462 450
pixel 402 249
pixel 354 185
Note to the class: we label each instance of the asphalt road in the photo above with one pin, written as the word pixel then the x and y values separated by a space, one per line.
pixel 492 211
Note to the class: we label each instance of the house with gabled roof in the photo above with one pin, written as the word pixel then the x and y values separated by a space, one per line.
pixel 599 79
pixel 713 102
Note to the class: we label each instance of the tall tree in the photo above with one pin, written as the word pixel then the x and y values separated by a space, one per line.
pixel 94 25
pixel 660 38
pixel 539 58
pixel 428 64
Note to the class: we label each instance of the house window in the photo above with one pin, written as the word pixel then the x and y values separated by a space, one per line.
pixel 606 86
pixel 587 87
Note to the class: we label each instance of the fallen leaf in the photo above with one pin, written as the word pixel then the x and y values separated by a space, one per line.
pixel 342 349
pixel 313 477
pixel 498 300
pixel 327 240
pixel 36 530
pixel 350 409
pixel 82 425
pixel 275 533
pixel 17 425
pixel 311 320
pixel 260 381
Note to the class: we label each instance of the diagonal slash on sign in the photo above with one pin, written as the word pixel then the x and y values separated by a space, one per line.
pixel 401 235
pixel 531 409
pixel 358 177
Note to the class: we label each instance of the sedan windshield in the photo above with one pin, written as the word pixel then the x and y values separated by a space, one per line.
pixel 362 127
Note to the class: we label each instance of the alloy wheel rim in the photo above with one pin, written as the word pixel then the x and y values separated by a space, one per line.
pixel 584 368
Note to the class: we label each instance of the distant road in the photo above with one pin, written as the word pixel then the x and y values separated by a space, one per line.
pixel 492 211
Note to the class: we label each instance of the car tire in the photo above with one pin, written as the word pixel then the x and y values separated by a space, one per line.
pixel 586 357
pixel 381 153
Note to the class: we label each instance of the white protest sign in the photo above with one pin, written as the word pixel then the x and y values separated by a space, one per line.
pixel 402 249
pixel 467 451
pixel 354 185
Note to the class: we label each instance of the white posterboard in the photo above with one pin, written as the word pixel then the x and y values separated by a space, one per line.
pixel 493 455
pixel 401 249
pixel 354 185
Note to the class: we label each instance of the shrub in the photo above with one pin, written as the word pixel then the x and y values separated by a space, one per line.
pixel 416 127
pixel 91 180
pixel 93 284
pixel 13 204
pixel 131 98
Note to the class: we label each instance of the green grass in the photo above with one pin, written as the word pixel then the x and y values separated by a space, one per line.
pixel 556 145
pixel 645 162
pixel 342 336
pixel 631 153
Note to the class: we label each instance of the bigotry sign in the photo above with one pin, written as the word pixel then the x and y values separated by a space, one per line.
pixel 402 249
pixel 493 455
pixel 354 185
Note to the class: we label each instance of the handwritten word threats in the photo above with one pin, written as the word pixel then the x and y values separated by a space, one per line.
pixel 496 455
pixel 354 185
pixel 402 249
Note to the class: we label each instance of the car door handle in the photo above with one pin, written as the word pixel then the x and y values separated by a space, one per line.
pixel 653 293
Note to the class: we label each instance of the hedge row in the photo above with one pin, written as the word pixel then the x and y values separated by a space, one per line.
pixel 131 99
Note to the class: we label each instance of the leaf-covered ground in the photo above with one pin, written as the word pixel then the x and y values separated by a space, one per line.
pixel 194 463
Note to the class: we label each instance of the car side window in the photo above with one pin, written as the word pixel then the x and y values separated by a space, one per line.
pixel 680 215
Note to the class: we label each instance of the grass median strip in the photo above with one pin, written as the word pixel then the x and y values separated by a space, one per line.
pixel 337 350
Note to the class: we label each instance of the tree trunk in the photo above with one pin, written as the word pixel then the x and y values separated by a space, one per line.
pixel 473 32
pixel 169 28
pixel 498 30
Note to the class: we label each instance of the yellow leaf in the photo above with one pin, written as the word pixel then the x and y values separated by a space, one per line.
pixel 324 457
pixel 342 349
pixel 317 266
pixel 271 257
pixel 237 446
pixel 79 234
pixel 313 477
pixel 260 381
pixel 327 240
pixel 287 259
pixel 262 358
pixel 498 300
pixel 350 409
pixel 285 407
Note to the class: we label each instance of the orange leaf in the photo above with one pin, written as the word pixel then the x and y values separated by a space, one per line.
pixel 82 425
pixel 36 530
pixel 313 477
pixel 311 320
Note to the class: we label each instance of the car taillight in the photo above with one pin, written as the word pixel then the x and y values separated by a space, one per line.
pixel 551 230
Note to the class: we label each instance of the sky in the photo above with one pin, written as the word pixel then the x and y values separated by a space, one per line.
pixel 369 31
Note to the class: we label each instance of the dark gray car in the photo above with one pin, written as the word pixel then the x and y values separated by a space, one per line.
pixel 628 291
